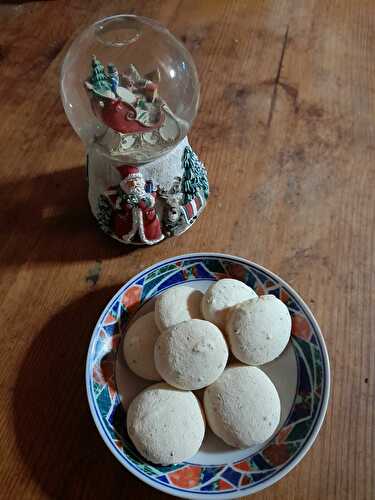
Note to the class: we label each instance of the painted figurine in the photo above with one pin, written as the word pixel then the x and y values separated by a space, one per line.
pixel 130 105
pixel 113 77
pixel 135 219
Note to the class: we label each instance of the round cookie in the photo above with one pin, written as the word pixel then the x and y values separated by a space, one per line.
pixel 138 347
pixel 221 296
pixel 258 330
pixel 165 424
pixel 191 355
pixel 242 407
pixel 177 304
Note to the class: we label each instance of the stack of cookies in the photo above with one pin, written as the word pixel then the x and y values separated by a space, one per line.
pixel 184 345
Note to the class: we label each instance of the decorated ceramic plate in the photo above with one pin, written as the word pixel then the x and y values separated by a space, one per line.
pixel 301 375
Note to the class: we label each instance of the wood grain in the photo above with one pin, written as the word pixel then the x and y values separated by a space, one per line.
pixel 286 129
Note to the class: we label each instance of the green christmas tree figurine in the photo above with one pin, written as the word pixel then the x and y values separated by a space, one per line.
pixel 194 179
pixel 98 78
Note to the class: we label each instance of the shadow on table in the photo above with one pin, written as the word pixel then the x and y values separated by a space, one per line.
pixel 48 218
pixel 55 433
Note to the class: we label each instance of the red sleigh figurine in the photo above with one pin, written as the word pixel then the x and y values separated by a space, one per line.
pixel 122 117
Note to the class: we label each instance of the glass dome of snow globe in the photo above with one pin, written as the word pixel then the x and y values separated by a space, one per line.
pixel 130 88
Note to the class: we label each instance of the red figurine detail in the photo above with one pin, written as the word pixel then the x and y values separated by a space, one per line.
pixel 135 219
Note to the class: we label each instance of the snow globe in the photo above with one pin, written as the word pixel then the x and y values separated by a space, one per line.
pixel 130 90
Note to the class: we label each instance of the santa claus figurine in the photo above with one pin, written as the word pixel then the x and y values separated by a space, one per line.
pixel 135 219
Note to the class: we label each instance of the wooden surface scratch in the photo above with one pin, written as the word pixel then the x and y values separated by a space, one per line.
pixel 277 79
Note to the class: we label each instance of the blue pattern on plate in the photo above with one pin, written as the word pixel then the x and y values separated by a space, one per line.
pixel 232 476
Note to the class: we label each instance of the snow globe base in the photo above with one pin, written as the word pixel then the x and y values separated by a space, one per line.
pixel 144 204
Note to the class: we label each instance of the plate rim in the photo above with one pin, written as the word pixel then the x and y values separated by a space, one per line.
pixel 223 495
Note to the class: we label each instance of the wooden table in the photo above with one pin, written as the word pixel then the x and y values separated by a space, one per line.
pixel 286 129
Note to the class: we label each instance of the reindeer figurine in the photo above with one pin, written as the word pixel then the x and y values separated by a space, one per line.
pixel 178 216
